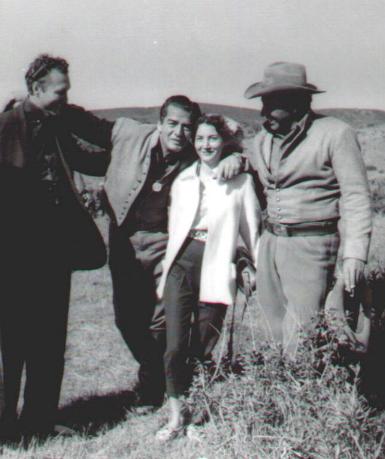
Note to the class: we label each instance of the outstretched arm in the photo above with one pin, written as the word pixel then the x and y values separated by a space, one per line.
pixel 87 126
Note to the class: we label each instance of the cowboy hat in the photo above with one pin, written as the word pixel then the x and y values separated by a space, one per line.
pixel 335 305
pixel 282 76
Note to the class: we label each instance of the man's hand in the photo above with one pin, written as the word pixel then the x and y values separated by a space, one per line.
pixel 229 167
pixel 353 271
pixel 248 280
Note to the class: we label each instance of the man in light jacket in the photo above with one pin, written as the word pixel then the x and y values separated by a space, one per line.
pixel 145 160
pixel 313 174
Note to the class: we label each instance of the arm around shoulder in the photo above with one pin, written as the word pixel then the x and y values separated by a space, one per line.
pixel 87 126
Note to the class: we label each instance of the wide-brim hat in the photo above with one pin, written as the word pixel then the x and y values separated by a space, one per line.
pixel 356 338
pixel 282 76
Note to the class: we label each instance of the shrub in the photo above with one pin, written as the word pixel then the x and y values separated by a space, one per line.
pixel 274 408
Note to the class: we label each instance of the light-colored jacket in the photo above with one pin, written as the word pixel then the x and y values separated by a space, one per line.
pixel 232 210
pixel 321 176
pixel 130 162
pixel 132 145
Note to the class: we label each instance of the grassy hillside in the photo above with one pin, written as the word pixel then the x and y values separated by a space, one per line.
pixel 358 118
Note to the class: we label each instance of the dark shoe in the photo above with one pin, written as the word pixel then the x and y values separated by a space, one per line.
pixel 58 430
pixel 145 405
pixel 146 401
pixel 63 431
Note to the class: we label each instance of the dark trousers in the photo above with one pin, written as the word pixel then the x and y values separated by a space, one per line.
pixel 135 269
pixel 34 298
pixel 187 340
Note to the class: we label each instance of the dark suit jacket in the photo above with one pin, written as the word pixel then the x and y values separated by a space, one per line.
pixel 19 186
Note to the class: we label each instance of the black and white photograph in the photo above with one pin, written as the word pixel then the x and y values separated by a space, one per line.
pixel 192 236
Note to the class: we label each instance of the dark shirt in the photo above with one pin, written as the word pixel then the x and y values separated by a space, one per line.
pixel 44 161
pixel 45 132
pixel 149 211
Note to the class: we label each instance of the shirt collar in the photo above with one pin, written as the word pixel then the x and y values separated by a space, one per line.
pixel 205 172
pixel 171 158
pixel 297 129
pixel 31 110
pixel 193 172
pixel 34 113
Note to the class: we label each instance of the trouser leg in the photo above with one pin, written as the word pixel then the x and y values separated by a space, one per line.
pixel 300 270
pixel 14 296
pixel 13 354
pixel 305 282
pixel 47 332
pixel 208 323
pixel 135 269
pixel 270 295
pixel 33 326
pixel 179 302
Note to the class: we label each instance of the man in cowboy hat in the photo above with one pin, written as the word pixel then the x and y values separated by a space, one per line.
pixel 313 174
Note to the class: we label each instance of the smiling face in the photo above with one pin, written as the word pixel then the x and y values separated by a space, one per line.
pixel 175 129
pixel 208 145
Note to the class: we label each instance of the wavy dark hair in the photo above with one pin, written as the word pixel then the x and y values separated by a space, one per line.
pixel 41 66
pixel 232 135
pixel 182 102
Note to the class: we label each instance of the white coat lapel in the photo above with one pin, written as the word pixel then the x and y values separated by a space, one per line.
pixel 218 204
pixel 185 205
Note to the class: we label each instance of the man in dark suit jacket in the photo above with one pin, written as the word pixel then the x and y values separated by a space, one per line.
pixel 45 233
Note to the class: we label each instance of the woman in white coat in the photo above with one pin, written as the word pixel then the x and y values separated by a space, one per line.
pixel 205 219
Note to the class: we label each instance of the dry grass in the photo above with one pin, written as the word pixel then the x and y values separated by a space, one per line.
pixel 266 408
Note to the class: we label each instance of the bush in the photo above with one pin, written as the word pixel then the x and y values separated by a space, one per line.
pixel 274 408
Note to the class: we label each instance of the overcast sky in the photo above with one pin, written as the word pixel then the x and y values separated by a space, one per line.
pixel 138 52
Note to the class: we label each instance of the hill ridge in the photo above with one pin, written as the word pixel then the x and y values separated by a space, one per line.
pixel 357 117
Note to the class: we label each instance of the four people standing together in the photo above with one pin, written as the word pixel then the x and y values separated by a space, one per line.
pixel 177 214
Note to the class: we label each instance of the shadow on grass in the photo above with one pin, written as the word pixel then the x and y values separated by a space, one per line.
pixel 90 415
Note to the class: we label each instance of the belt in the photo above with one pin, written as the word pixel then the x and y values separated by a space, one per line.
pixel 198 234
pixel 302 229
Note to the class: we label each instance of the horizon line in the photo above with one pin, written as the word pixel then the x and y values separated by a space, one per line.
pixel 232 106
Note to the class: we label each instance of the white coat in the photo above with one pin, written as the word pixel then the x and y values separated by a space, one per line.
pixel 232 210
